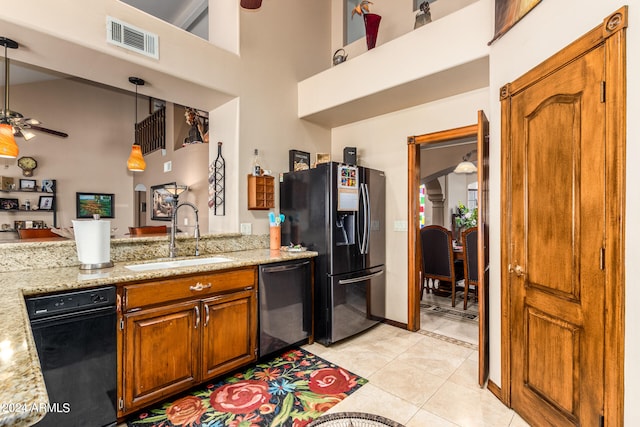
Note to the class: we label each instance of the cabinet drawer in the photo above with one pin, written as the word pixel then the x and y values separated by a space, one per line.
pixel 186 287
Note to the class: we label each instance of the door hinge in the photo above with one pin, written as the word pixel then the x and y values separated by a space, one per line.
pixel 120 404
pixel 601 258
pixel 601 420
pixel 122 324
pixel 603 91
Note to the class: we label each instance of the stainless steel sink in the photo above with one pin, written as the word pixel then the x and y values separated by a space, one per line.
pixel 173 263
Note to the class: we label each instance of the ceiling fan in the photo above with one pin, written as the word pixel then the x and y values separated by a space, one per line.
pixel 22 126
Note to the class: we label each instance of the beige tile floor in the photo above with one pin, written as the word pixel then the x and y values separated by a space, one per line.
pixel 450 326
pixel 417 379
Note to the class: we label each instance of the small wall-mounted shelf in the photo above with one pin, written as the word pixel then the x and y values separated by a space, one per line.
pixel 13 204
pixel 260 192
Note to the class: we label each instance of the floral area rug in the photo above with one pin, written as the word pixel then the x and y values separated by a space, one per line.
pixel 290 390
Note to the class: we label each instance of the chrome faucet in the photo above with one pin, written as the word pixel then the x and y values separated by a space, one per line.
pixel 174 226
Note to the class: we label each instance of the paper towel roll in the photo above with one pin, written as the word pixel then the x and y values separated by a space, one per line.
pixel 93 241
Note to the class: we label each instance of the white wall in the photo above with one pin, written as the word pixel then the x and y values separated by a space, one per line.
pixel 547 29
pixel 226 131
pixel 277 52
pixel 382 144
pixel 99 122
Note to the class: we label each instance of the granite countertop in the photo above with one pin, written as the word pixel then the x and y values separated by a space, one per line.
pixel 23 395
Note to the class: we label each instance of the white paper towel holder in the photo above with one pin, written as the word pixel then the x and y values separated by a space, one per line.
pixel 98 265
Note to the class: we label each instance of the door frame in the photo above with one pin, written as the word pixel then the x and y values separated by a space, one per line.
pixel 612 35
pixel 478 130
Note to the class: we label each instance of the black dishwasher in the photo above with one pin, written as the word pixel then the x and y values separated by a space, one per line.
pixel 75 335
pixel 284 292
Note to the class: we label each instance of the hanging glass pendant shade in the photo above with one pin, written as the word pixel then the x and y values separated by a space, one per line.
pixel 250 4
pixel 8 147
pixel 136 162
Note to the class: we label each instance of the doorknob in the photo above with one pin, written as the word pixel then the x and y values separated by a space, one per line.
pixel 518 270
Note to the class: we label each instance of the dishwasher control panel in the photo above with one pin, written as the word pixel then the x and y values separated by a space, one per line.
pixel 50 305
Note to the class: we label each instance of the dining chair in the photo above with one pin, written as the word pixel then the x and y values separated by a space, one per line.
pixel 150 229
pixel 438 260
pixel 470 259
pixel 35 233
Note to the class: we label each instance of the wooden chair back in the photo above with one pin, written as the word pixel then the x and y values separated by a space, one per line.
pixel 438 262
pixel 470 257
pixel 151 229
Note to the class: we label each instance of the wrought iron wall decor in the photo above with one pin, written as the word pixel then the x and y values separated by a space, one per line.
pixel 216 184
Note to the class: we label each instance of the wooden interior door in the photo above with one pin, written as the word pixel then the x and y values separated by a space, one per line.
pixel 483 248
pixel 557 192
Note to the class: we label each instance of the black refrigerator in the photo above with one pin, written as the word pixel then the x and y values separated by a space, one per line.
pixel 338 210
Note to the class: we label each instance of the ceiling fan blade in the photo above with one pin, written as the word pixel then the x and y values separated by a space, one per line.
pixel 51 131
pixel 26 134
pixel 31 121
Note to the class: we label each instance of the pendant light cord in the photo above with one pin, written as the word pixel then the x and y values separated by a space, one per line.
pixel 6 85
pixel 135 123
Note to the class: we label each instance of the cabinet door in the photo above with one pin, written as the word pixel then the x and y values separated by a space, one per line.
pixel 161 348
pixel 229 332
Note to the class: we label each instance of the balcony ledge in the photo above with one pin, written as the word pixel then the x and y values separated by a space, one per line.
pixel 444 58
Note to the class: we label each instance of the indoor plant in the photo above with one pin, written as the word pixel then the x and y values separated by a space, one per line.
pixel 371 22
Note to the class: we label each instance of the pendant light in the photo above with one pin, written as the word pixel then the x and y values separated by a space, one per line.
pixel 465 166
pixel 136 162
pixel 250 4
pixel 8 147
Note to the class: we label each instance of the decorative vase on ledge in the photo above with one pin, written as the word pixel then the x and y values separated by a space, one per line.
pixel 371 24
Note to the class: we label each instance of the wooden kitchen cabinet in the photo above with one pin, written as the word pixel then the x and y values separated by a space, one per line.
pixel 228 338
pixel 161 352
pixel 179 332
pixel 260 192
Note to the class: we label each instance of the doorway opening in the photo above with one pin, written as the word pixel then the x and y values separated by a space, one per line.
pixel 443 194
pixel 479 133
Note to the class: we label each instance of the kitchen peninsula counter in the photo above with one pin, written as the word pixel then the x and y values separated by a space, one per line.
pixel 23 396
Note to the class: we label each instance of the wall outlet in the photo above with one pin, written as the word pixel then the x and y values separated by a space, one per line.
pixel 167 166
pixel 245 228
pixel 400 225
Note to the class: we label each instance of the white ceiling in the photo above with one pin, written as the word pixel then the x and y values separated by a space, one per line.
pixel 190 15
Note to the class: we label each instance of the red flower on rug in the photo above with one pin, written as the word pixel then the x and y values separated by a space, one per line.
pixel 331 381
pixel 289 390
pixel 186 411
pixel 240 398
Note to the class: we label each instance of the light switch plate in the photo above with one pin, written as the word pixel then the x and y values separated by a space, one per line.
pixel 167 166
pixel 400 225
pixel 245 228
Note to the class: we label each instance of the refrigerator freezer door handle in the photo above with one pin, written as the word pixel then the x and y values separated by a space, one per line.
pixel 361 278
pixel 368 223
pixel 362 193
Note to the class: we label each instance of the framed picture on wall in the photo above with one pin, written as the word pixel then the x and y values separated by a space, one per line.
pixel 90 204
pixel 45 203
pixel 161 202
pixel 299 160
pixel 27 184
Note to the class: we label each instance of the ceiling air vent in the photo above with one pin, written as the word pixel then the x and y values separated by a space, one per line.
pixel 132 38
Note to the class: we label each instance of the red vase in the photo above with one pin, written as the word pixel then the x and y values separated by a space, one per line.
pixel 250 4
pixel 371 24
